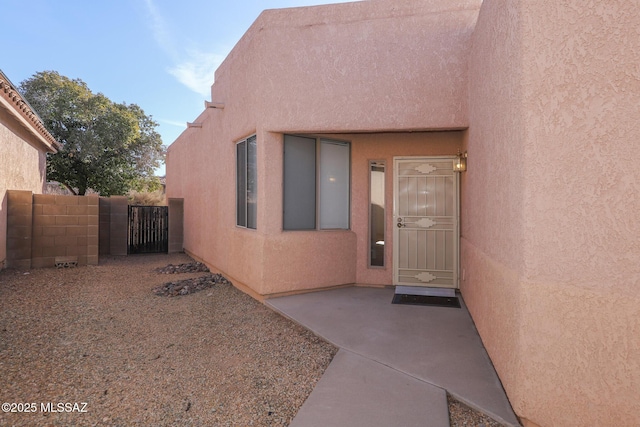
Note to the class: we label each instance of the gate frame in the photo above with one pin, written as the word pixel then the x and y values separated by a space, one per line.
pixel 147 229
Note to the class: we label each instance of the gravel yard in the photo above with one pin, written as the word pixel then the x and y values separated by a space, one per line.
pixel 125 344
pixel 99 335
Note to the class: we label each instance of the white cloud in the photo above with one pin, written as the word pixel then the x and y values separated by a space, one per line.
pixel 173 123
pixel 159 28
pixel 197 71
pixel 191 67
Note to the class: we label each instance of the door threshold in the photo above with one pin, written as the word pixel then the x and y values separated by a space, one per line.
pixel 425 291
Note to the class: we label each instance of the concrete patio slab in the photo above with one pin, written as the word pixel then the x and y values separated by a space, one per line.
pixel 355 391
pixel 436 345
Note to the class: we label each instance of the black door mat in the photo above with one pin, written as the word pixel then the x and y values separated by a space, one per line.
pixel 426 300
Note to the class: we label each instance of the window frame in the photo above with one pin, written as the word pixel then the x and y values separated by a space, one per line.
pixel 318 140
pixel 380 164
pixel 249 214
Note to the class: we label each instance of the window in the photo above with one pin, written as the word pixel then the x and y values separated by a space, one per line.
pixel 376 214
pixel 246 183
pixel 316 183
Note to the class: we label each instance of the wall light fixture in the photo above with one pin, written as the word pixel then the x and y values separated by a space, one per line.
pixel 460 163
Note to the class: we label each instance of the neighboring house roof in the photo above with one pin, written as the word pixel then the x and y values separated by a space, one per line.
pixel 54 187
pixel 13 101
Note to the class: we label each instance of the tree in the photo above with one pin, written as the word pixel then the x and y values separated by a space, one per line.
pixel 107 147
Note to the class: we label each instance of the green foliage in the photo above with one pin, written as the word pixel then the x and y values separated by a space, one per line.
pixel 107 147
pixel 147 198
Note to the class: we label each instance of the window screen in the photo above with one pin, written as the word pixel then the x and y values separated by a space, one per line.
pixel 299 183
pixel 316 183
pixel 334 185
pixel 246 183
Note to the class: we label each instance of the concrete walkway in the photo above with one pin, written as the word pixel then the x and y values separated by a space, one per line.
pixel 396 362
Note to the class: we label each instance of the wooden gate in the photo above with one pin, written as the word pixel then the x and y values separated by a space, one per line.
pixel 148 229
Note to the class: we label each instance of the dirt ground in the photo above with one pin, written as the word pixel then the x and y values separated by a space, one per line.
pixel 98 341
pixel 95 346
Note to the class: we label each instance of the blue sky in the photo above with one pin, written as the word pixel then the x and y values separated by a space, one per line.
pixel 159 54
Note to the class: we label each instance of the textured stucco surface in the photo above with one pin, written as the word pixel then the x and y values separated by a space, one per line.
pixel 23 143
pixel 554 118
pixel 491 189
pixel 268 259
pixel 337 69
pixel 583 114
pixel 385 147
pixel 549 228
pixel 22 167
pixel 372 66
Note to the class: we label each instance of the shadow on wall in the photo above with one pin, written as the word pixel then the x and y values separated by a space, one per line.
pixel 3 231
pixel 43 229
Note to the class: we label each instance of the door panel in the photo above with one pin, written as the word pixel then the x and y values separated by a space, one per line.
pixel 426 219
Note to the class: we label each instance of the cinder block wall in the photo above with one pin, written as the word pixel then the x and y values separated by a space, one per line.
pixel 42 227
pixel 19 228
pixel 105 226
pixel 64 226
pixel 176 225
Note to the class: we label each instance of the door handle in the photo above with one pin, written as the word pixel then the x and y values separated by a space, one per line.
pixel 400 224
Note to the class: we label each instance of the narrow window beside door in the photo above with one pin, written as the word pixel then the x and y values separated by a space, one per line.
pixel 246 183
pixel 376 214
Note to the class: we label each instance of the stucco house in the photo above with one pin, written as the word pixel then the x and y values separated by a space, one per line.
pixel 326 157
pixel 24 144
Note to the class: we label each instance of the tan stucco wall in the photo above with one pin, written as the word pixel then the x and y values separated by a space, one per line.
pixel 268 259
pixel 549 243
pixel 549 228
pixel 22 167
pixel 385 147
pixel 306 260
pixel 375 66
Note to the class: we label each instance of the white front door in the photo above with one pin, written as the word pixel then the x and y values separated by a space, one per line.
pixel 425 236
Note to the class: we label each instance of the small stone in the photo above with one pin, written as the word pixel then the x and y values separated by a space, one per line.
pixel 189 286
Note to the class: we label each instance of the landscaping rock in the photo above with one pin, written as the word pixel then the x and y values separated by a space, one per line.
pixel 189 286
pixel 187 267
